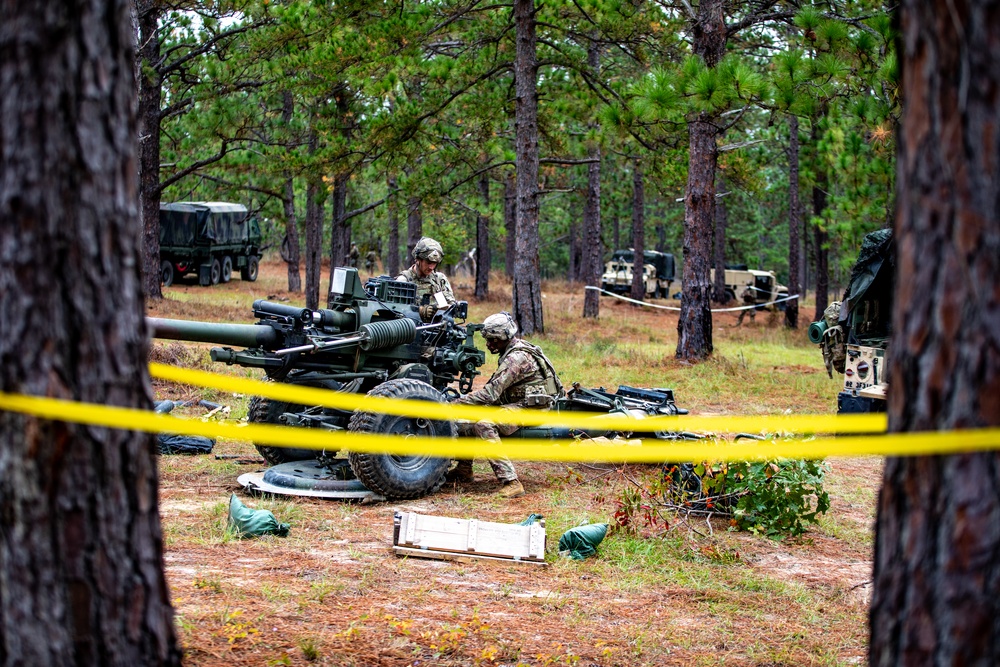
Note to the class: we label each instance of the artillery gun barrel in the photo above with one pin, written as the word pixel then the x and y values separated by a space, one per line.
pixel 238 335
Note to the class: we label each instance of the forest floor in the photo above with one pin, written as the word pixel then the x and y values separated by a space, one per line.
pixel 688 591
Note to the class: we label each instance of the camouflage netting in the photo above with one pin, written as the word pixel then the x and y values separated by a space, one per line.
pixel 875 248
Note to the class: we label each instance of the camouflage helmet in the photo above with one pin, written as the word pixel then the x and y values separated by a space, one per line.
pixel 499 327
pixel 429 249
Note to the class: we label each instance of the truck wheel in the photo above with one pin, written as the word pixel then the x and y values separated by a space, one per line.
pixel 249 272
pixel 268 411
pixel 227 268
pixel 166 273
pixel 215 273
pixel 394 476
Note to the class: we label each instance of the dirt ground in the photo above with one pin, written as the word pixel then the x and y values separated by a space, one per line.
pixel 334 593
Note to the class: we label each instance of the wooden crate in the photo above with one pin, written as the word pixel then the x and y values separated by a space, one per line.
pixel 428 536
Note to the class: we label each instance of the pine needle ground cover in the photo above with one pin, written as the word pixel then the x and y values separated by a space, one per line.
pixel 680 590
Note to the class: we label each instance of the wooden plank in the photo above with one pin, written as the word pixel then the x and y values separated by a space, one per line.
pixel 424 532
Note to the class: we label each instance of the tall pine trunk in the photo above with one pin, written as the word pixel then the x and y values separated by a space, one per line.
pixel 149 84
pixel 81 547
pixel 694 326
pixel 414 226
pixel 314 230
pixel 638 233
pixel 794 282
pixel 820 238
pixel 510 222
pixel 483 258
pixel 721 219
pixel 391 257
pixel 340 230
pixel 592 250
pixel 527 272
pixel 291 252
pixel 937 581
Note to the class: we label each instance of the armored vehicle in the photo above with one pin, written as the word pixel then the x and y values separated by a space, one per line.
pixel 658 272
pixel 209 239
pixel 854 334
pixel 371 339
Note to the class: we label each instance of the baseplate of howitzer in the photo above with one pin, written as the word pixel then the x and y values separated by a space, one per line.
pixel 447 538
pixel 310 479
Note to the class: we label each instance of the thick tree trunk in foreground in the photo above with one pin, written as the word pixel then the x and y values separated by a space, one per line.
pixel 794 224
pixel 483 257
pixel 638 233
pixel 694 326
pixel 391 257
pixel 527 271
pixel 149 84
pixel 719 294
pixel 937 549
pixel 592 250
pixel 81 552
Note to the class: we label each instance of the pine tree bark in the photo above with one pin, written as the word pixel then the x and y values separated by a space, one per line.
pixel 820 238
pixel 149 85
pixel 81 548
pixel 527 287
pixel 638 290
pixel 414 226
pixel 340 229
pixel 483 255
pixel 937 549
pixel 510 222
pixel 694 326
pixel 592 249
pixel 392 214
pixel 291 251
pixel 314 230
pixel 794 224
pixel 721 219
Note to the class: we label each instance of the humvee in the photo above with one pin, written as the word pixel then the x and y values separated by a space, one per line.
pixel 209 239
pixel 765 284
pixel 658 272
pixel 854 334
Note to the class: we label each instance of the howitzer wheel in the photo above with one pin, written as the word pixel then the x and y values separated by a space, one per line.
pixel 268 411
pixel 393 476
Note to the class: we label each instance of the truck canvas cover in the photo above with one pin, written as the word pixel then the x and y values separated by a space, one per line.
pixel 203 223
pixel 663 261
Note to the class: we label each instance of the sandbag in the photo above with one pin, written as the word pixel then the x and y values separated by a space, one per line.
pixel 246 522
pixel 581 542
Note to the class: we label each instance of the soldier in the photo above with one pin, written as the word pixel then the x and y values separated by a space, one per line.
pixel 427 254
pixel 352 255
pixel 370 258
pixel 524 379
pixel 749 300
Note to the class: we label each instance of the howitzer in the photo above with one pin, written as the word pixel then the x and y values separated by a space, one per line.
pixel 370 339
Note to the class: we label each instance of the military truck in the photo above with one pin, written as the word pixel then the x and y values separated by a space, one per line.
pixel 765 285
pixel 208 239
pixel 854 334
pixel 658 272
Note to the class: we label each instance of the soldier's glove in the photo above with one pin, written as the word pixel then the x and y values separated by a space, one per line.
pixel 427 312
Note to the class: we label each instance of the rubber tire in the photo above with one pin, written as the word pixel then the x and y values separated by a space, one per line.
pixel 401 477
pixel 215 273
pixel 166 273
pixel 249 272
pixel 264 410
pixel 730 295
pixel 227 268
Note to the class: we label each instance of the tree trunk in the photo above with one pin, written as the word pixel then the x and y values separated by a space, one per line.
pixel 148 15
pixel 638 233
pixel 392 254
pixel 592 250
pixel 483 258
pixel 527 286
pixel 340 230
pixel 573 270
pixel 510 222
pixel 937 583
pixel 694 326
pixel 414 226
pixel 721 220
pixel 81 548
pixel 794 282
pixel 820 239
pixel 314 231
pixel 616 230
pixel 291 249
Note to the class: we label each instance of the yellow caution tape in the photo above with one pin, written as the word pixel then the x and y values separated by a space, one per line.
pixel 868 423
pixel 649 451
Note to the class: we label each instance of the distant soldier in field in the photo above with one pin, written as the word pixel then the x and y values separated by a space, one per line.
pixel 749 298
pixel 352 256
pixel 370 258
pixel 430 282
pixel 524 379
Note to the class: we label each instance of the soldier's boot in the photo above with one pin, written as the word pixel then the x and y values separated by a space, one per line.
pixel 462 473
pixel 511 489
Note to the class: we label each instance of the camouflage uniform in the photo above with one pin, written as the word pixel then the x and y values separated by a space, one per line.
pixel 432 284
pixel 834 347
pixel 749 299
pixel 524 379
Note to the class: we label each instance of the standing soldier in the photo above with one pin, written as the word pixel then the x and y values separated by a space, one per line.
pixel 750 303
pixel 352 256
pixel 427 254
pixel 370 258
pixel 524 379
